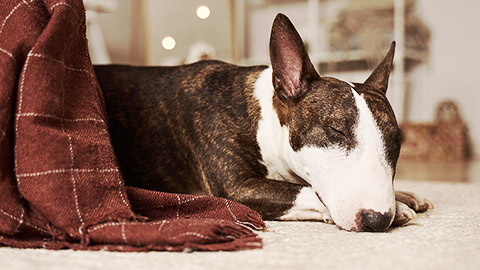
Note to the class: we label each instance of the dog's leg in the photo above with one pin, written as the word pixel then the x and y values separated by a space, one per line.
pixel 277 200
pixel 407 205
pixel 308 206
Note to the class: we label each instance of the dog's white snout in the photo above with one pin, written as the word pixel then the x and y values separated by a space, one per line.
pixel 361 211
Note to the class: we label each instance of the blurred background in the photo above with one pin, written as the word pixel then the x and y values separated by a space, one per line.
pixel 433 87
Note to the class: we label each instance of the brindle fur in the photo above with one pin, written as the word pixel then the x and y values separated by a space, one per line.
pixel 191 130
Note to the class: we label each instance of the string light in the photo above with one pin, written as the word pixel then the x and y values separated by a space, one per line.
pixel 203 12
pixel 168 43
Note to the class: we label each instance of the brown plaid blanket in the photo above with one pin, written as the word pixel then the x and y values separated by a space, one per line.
pixel 60 184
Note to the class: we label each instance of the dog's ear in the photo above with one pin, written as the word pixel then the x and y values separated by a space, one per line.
pixel 380 75
pixel 291 65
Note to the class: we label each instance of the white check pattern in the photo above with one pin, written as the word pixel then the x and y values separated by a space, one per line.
pixel 73 171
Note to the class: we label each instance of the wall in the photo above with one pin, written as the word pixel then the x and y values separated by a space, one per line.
pixel 174 18
pixel 178 19
pixel 116 31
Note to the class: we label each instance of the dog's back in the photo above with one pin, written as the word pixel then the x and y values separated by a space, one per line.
pixel 166 122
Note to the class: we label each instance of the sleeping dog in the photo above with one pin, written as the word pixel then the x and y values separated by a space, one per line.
pixel 281 139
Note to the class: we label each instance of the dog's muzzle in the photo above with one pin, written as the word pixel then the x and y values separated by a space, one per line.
pixel 368 220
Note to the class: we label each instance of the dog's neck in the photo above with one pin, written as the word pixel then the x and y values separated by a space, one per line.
pixel 273 134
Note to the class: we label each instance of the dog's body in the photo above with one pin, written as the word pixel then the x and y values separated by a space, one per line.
pixel 281 139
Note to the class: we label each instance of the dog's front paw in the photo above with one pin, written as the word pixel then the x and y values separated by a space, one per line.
pixel 306 215
pixel 415 202
pixel 307 206
pixel 403 214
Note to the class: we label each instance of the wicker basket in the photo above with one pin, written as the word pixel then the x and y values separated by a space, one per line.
pixel 444 140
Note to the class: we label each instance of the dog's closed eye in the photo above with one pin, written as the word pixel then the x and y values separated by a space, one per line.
pixel 337 130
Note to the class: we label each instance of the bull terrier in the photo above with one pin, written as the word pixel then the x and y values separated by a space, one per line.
pixel 281 139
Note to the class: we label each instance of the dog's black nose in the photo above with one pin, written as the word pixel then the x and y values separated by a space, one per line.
pixel 372 221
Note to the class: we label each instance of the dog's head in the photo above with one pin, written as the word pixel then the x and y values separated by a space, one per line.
pixel 344 136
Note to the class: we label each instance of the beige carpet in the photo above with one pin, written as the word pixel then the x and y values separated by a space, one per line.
pixel 446 238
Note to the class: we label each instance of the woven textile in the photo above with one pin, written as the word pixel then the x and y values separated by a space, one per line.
pixel 59 179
